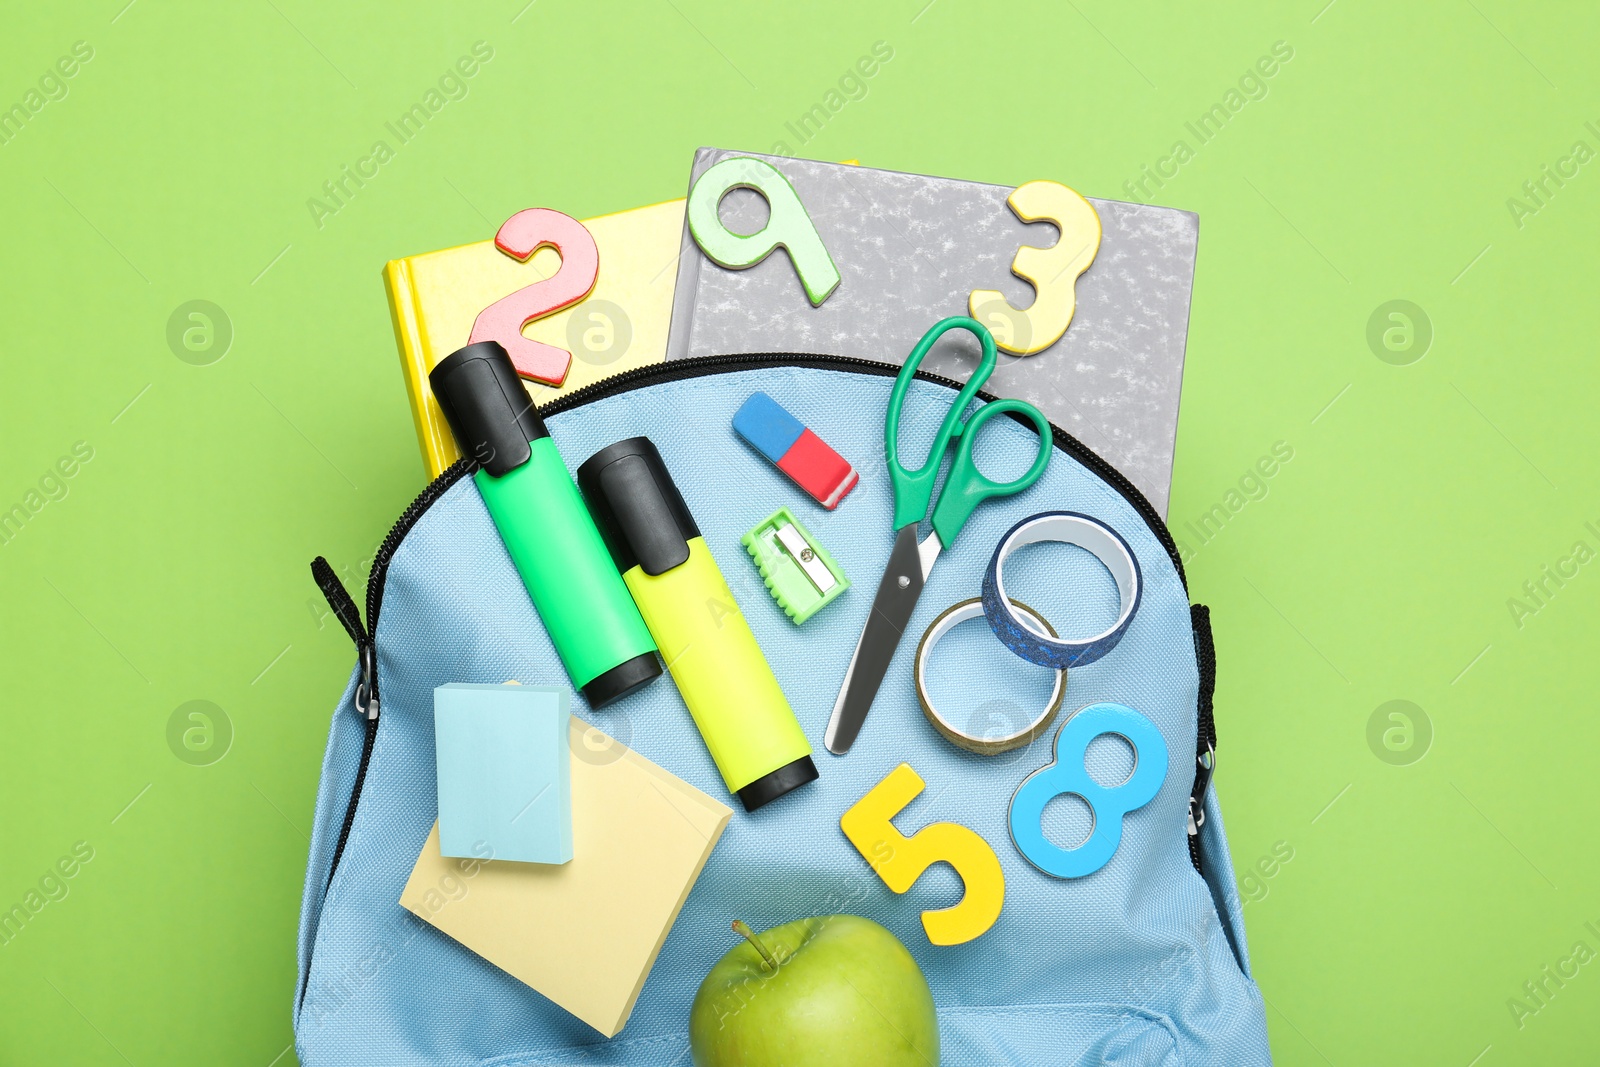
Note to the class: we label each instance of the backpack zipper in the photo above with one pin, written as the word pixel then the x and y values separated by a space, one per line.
pixel 655 374
pixel 344 608
pixel 1205 756
pixel 699 366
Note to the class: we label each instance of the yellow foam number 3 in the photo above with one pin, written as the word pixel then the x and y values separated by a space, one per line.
pixel 1053 272
pixel 900 860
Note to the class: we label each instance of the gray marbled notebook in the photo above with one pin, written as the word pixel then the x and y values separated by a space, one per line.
pixel 910 248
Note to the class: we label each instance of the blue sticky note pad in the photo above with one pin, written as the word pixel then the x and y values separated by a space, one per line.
pixel 767 425
pixel 505 782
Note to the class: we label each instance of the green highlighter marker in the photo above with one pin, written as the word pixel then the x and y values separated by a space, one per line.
pixel 575 587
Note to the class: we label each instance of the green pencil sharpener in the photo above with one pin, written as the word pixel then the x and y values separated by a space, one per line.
pixel 799 573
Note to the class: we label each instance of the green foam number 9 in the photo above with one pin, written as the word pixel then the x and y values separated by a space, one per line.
pixel 788 226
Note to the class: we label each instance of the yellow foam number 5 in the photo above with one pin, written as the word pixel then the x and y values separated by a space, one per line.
pixel 900 860
pixel 1053 272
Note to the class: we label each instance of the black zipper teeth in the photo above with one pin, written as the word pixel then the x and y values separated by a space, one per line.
pixel 680 370
pixel 408 518
pixel 368 740
pixel 397 533
pixel 1206 657
pixel 1205 654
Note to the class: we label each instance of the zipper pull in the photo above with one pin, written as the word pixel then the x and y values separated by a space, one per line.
pixel 1205 766
pixel 1205 754
pixel 345 610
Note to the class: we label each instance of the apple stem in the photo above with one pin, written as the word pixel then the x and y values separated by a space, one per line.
pixel 741 928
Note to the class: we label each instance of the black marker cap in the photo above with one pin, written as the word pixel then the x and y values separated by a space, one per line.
pixel 487 407
pixel 621 680
pixel 774 784
pixel 637 506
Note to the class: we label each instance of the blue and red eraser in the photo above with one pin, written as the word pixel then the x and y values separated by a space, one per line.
pixel 797 452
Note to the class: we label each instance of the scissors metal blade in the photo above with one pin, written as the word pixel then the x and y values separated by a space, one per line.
pixel 898 591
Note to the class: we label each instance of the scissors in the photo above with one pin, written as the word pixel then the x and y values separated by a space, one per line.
pixel 912 561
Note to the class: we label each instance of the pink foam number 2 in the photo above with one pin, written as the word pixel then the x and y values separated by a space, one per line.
pixel 520 237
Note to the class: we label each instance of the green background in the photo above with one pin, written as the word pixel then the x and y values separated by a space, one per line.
pixel 1424 887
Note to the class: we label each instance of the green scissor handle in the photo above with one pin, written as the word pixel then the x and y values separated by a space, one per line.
pixel 966 487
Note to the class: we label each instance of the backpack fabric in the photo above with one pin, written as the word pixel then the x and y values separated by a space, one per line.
pixel 1141 964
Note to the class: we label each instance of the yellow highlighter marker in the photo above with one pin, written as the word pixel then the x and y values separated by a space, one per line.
pixel 742 714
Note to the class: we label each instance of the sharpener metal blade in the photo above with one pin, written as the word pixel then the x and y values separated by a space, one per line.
pixel 791 541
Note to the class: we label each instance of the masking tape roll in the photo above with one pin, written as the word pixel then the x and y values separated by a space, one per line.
pixel 948 620
pixel 1032 643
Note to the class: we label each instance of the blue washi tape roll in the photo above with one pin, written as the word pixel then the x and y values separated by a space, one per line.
pixel 1013 628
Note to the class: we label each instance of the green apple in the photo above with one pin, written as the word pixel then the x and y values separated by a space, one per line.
pixel 835 991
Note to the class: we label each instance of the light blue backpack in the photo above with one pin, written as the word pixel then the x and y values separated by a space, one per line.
pixel 1141 963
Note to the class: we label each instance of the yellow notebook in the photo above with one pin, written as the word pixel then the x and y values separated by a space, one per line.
pixel 622 324
pixel 584 933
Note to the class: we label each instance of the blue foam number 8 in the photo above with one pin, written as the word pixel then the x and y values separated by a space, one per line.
pixel 1068 775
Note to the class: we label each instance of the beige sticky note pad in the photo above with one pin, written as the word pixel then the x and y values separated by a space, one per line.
pixel 584 933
